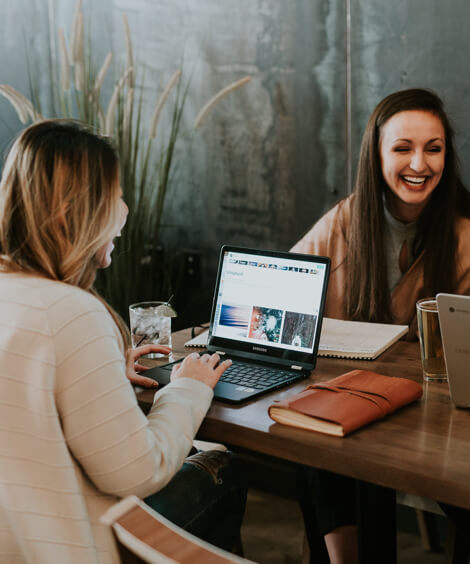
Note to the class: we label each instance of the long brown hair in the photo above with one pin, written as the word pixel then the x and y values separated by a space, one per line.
pixel 367 295
pixel 58 207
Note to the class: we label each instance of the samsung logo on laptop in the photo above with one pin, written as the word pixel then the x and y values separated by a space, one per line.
pixel 462 351
pixel 260 349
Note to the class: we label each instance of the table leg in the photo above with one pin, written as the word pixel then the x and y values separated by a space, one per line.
pixel 315 543
pixel 376 519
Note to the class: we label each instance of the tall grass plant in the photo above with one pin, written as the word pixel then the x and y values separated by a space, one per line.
pixel 140 270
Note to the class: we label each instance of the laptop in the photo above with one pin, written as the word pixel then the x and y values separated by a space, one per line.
pixel 454 320
pixel 266 316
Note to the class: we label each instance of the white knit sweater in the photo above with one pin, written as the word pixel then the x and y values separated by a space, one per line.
pixel 72 437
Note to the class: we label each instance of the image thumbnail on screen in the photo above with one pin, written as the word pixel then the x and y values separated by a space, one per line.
pixel 299 329
pixel 265 324
pixel 236 317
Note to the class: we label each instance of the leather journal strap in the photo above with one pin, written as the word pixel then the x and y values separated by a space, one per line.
pixel 382 402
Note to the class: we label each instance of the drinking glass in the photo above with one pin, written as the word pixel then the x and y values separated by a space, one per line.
pixel 432 353
pixel 150 324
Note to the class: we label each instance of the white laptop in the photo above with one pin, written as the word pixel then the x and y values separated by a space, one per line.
pixel 454 319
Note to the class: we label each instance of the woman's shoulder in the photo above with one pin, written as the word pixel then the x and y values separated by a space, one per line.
pixel 73 311
pixel 44 294
pixel 336 219
pixel 53 292
pixel 462 227
pixel 330 227
pixel 339 214
pixel 52 308
pixel 462 230
pixel 462 223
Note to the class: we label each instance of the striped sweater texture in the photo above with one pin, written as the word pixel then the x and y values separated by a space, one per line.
pixel 72 437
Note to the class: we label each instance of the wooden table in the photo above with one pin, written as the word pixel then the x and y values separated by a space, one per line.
pixel 422 449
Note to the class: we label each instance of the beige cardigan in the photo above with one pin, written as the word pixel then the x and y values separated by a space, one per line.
pixel 72 437
pixel 328 237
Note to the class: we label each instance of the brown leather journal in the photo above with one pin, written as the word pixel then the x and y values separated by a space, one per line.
pixel 346 403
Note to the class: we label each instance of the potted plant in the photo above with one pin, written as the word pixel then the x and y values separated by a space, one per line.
pixel 139 270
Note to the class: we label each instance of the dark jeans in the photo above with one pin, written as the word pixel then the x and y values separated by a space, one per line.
pixel 326 498
pixel 328 501
pixel 205 498
pixel 461 520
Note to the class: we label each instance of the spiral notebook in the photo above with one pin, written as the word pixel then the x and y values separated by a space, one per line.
pixel 199 341
pixel 357 339
pixel 345 339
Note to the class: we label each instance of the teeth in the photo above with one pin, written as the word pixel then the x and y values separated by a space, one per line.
pixel 415 179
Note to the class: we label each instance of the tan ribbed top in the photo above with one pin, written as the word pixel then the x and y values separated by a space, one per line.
pixel 329 237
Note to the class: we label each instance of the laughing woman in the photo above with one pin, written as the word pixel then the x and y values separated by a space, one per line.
pixel 402 235
pixel 72 438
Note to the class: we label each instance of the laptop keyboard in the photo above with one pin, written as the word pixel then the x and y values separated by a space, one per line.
pixel 256 376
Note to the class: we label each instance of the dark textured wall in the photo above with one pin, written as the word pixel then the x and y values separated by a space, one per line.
pixel 406 44
pixel 257 173
pixel 273 156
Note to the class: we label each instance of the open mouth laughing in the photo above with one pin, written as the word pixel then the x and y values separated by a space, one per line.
pixel 416 181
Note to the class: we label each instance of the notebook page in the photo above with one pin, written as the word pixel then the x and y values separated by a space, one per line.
pixel 357 337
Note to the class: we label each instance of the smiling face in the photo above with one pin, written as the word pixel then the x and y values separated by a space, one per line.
pixel 412 154
pixel 104 254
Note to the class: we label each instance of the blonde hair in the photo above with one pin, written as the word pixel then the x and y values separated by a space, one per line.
pixel 58 203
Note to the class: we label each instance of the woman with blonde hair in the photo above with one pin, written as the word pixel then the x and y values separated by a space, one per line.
pixel 73 439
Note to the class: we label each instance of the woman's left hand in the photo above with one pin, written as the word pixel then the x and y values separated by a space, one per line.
pixel 132 366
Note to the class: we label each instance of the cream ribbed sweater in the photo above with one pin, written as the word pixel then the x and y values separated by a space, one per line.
pixel 72 437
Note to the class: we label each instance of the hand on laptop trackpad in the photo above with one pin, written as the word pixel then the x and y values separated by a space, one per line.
pixel 161 374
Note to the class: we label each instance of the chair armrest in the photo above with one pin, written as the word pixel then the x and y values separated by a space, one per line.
pixel 154 539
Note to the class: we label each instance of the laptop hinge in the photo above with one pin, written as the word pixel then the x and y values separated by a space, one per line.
pixel 244 356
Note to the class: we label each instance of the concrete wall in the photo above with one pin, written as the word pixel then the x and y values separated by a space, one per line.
pixel 273 156
pixel 407 44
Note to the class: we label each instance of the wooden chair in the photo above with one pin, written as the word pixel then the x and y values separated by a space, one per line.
pixel 142 535
pixel 426 511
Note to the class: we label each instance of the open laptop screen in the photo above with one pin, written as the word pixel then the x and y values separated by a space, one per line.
pixel 269 302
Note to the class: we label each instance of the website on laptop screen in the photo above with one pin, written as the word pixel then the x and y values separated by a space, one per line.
pixel 269 300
